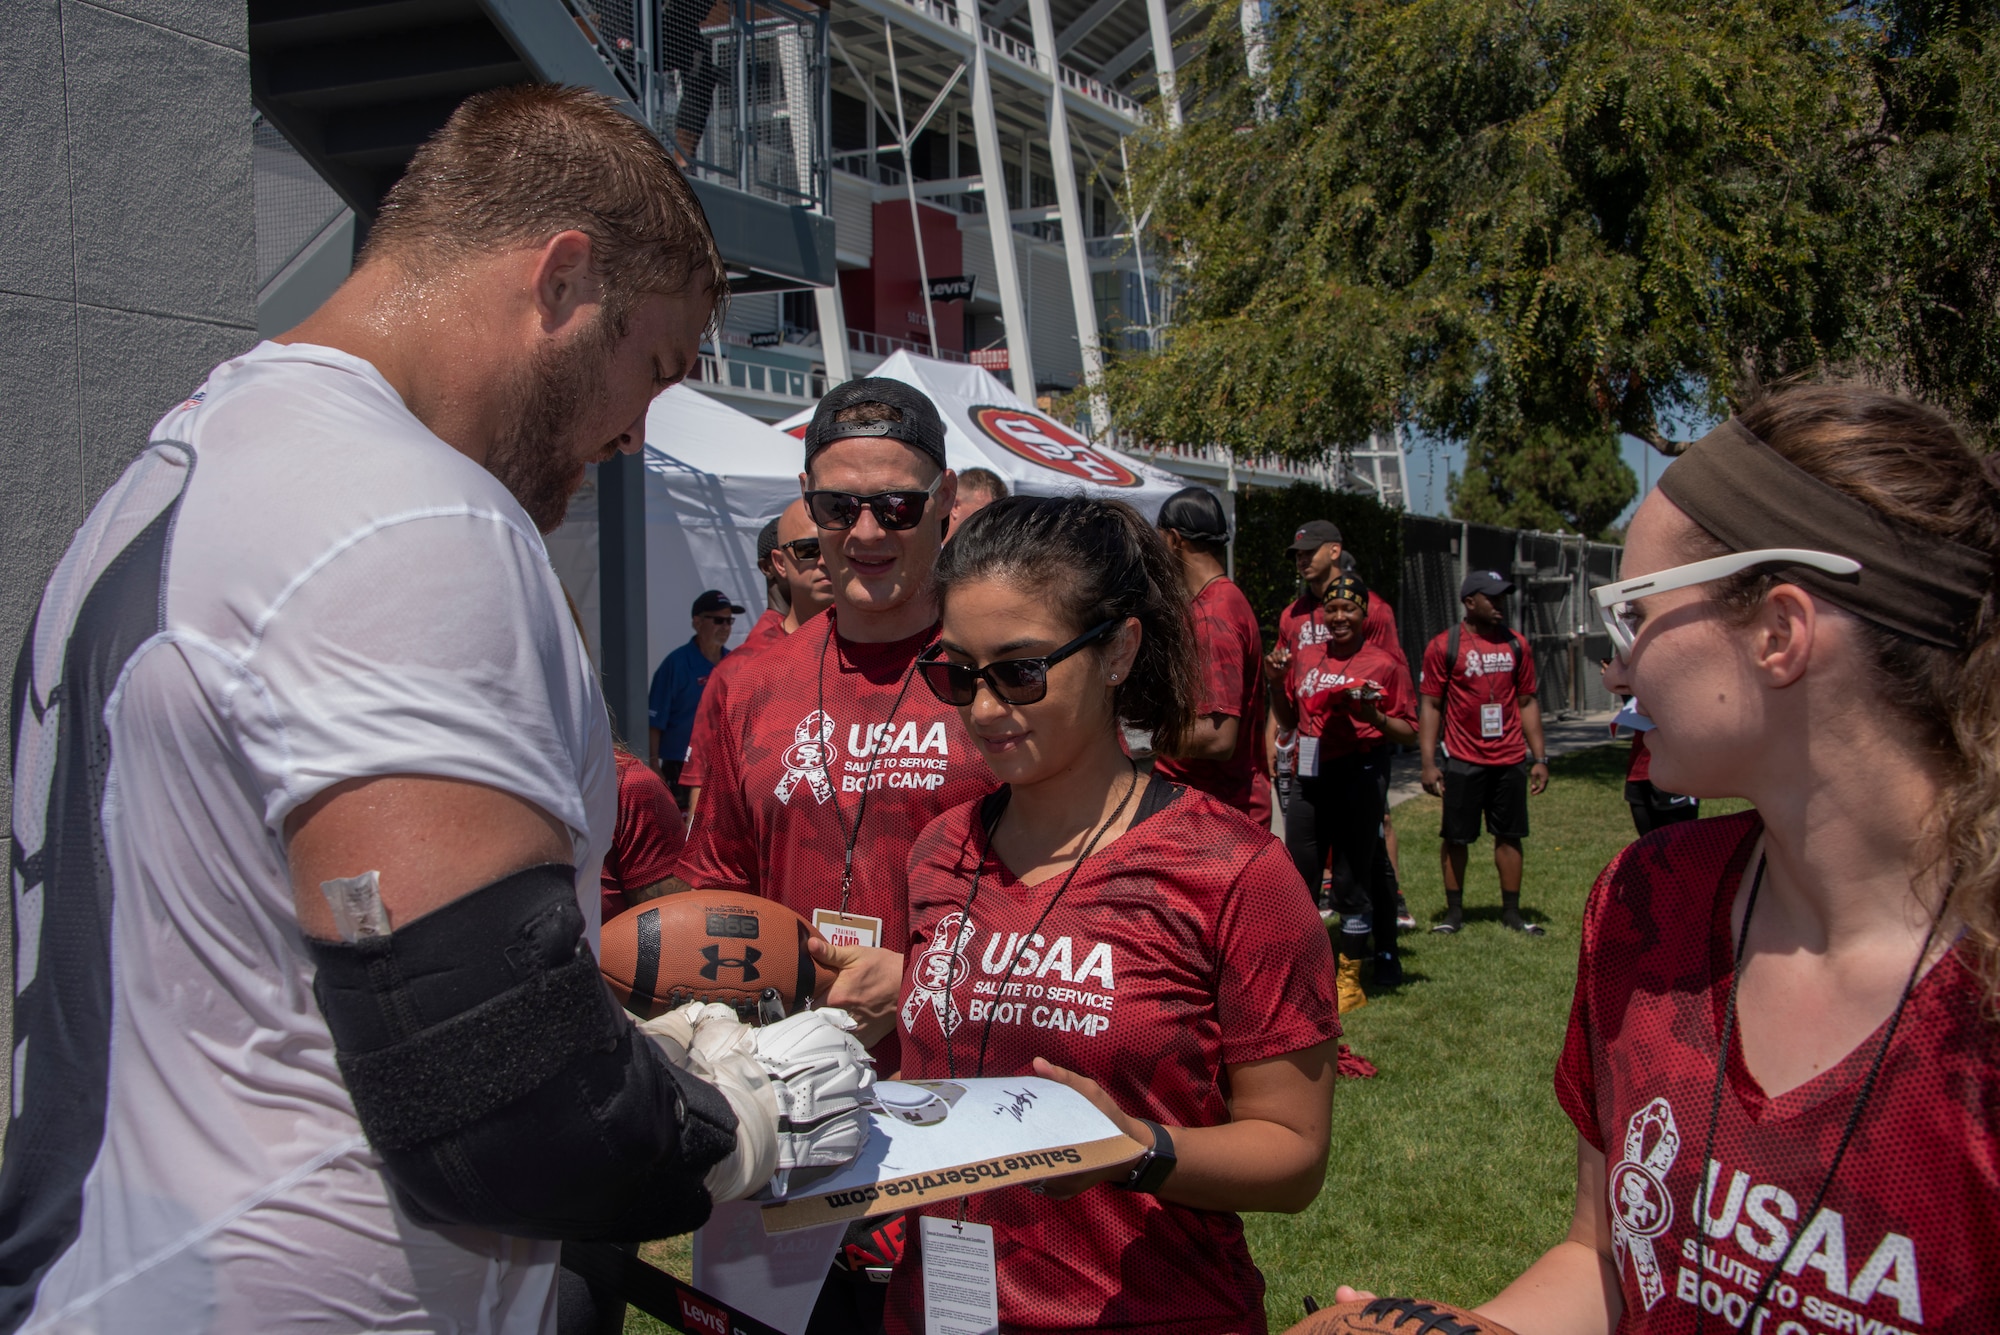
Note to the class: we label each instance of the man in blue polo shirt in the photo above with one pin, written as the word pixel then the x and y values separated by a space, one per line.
pixel 679 681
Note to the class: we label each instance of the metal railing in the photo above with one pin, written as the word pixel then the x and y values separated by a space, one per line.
pixel 1023 54
pixel 1552 573
pixel 883 345
pixel 736 88
pixel 781 383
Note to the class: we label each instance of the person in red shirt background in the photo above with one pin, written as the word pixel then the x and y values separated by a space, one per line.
pixel 794 561
pixel 1320 555
pixel 1221 754
pixel 1359 701
pixel 645 843
pixel 1482 699
pixel 777 599
pixel 1781 1060
pixel 1188 997
pixel 829 757
pixel 1652 807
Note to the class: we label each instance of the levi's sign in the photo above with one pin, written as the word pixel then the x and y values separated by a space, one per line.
pixel 770 338
pixel 958 287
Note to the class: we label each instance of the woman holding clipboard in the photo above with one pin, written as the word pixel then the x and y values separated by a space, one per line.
pixel 1134 939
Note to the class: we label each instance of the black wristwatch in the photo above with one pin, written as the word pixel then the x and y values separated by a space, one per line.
pixel 1155 1166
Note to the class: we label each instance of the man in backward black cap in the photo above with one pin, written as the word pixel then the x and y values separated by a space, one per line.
pixel 829 758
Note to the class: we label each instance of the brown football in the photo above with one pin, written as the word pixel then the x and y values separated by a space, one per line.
pixel 709 945
pixel 1396 1316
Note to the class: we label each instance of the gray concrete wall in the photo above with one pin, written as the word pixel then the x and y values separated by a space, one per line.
pixel 127 266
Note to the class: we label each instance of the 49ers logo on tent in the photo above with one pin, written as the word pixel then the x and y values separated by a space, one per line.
pixel 1037 439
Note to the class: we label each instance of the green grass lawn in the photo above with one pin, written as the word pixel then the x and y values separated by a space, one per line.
pixel 1453 1168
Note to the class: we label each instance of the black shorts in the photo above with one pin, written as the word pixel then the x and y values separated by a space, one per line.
pixel 1654 807
pixel 1499 791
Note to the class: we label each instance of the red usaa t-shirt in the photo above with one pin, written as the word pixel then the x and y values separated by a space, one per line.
pixel 1906 1238
pixel 769 630
pixel 648 837
pixel 1322 697
pixel 1231 650
pixel 785 782
pixel 1153 971
pixel 1490 675
pixel 1302 630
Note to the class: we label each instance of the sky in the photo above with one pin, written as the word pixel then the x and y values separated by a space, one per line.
pixel 1431 464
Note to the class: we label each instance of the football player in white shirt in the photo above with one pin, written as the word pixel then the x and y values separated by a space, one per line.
pixel 312 779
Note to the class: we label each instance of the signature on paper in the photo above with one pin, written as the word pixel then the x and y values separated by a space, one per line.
pixel 1023 1100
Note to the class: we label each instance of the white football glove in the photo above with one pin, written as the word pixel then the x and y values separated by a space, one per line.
pixel 824 1081
pixel 711 1044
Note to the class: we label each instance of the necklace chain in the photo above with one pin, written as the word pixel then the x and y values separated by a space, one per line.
pixel 849 836
pixel 1702 1201
pixel 965 914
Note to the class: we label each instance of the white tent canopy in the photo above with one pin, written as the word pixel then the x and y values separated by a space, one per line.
pixel 987 426
pixel 714 477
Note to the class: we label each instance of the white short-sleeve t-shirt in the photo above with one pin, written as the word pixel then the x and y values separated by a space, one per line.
pixel 296 584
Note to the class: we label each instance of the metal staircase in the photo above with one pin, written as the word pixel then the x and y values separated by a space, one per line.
pixel 357 85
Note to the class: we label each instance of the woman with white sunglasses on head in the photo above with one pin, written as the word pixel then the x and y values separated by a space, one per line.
pixel 1781 1060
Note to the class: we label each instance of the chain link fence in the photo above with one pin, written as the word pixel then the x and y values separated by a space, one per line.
pixel 1417 563
pixel 737 89
pixel 1552 575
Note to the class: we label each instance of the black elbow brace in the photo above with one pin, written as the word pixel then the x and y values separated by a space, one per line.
pixel 500 1082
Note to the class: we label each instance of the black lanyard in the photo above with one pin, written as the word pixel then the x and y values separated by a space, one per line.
pixel 850 836
pixel 965 916
pixel 1701 1198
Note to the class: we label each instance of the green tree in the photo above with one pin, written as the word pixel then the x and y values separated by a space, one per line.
pixel 1531 225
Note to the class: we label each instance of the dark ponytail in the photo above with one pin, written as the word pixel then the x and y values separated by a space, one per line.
pixel 1095 561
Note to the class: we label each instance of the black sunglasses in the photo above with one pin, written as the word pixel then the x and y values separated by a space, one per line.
pixel 806 550
pixel 1018 681
pixel 893 509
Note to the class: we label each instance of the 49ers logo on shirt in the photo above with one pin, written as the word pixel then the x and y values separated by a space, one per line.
pixel 1498 663
pixel 1762 1221
pixel 1641 1209
pixel 807 758
pixel 1027 979
pixel 938 973
pixel 1039 440
pixel 881 755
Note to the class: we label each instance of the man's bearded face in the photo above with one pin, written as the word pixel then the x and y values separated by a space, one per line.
pixel 537 457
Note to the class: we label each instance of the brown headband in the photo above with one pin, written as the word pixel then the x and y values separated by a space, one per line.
pixel 1749 496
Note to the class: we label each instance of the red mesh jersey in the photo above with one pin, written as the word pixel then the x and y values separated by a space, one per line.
pixel 648 837
pixel 769 630
pixel 1302 629
pixel 782 778
pixel 1909 1233
pixel 1322 698
pixel 1488 672
pixel 1153 971
pixel 1231 650
pixel 1640 766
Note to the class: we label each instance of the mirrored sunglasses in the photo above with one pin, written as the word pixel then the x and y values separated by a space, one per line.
pixel 1018 681
pixel 893 509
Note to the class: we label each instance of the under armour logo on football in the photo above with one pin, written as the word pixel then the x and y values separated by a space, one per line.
pixel 716 964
